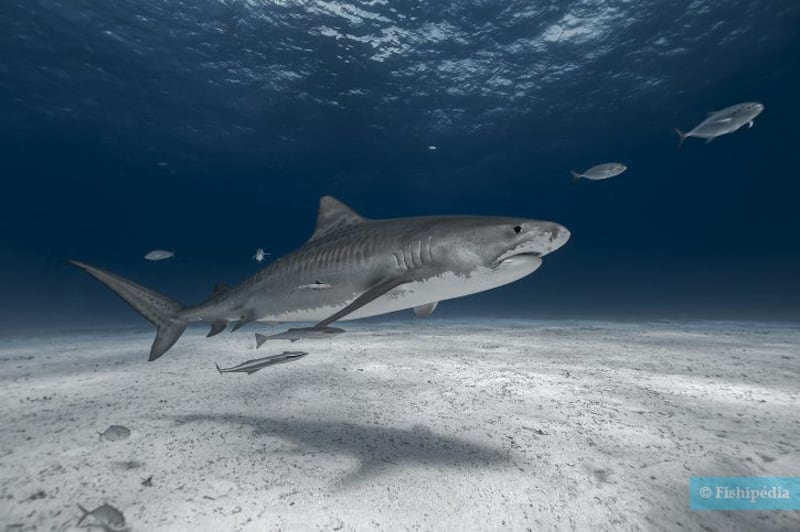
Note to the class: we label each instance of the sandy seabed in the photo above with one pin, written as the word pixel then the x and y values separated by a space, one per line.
pixel 425 425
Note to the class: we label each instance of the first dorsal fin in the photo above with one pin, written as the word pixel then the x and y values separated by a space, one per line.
pixel 218 289
pixel 333 215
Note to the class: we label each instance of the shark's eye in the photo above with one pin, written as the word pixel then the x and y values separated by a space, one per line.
pixel 517 229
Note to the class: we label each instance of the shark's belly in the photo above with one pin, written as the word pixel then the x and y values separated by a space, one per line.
pixel 417 293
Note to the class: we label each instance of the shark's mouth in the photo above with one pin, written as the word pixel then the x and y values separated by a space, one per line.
pixel 539 243
pixel 512 256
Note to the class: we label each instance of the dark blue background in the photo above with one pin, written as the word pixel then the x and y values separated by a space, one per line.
pixel 212 128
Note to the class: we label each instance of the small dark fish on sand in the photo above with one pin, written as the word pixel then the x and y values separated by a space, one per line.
pixel 302 333
pixel 36 496
pixel 115 433
pixel 105 516
pixel 128 465
pixel 251 366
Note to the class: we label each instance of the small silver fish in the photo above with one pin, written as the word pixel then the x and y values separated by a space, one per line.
pixel 115 433
pixel 260 254
pixel 159 254
pixel 251 366
pixel 105 516
pixel 601 171
pixel 303 333
pixel 723 122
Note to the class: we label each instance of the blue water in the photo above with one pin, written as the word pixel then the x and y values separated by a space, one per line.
pixel 212 128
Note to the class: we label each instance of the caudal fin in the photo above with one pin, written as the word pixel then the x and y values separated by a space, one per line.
pixel 161 311
pixel 681 136
pixel 85 514
pixel 575 175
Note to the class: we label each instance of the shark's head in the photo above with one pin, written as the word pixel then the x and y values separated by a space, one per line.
pixel 496 251
pixel 519 237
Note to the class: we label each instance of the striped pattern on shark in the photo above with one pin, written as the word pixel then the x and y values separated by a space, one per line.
pixel 372 267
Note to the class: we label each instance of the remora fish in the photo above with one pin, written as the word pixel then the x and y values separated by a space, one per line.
pixel 251 366
pixel 299 334
pixel 373 267
pixel 601 171
pixel 723 122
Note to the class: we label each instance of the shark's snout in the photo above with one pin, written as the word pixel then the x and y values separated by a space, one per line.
pixel 559 236
pixel 551 237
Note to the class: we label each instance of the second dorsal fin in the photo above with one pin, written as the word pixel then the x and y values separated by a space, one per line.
pixel 333 215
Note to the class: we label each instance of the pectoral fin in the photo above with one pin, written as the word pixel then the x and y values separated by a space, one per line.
pixel 244 320
pixel 370 295
pixel 423 311
pixel 749 124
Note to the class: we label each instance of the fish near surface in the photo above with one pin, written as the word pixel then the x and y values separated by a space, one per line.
pixel 373 267
pixel 260 255
pixel 600 171
pixel 723 122
pixel 159 254
pixel 251 366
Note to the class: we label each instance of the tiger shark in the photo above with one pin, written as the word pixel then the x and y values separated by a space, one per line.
pixel 368 267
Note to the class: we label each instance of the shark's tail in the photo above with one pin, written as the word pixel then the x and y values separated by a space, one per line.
pixel 161 311
pixel 681 136
pixel 575 175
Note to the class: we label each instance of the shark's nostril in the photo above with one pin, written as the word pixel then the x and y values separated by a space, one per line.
pixel 554 232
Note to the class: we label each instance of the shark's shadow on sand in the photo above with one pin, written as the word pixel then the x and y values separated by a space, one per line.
pixel 376 447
